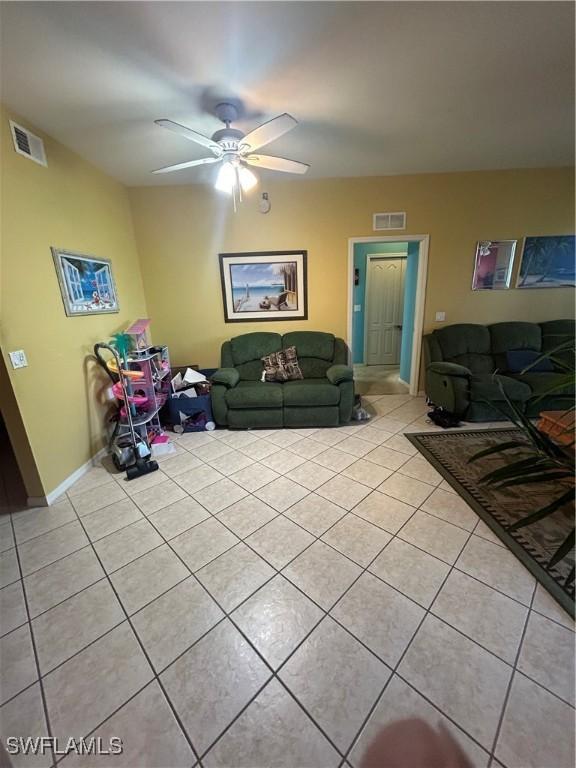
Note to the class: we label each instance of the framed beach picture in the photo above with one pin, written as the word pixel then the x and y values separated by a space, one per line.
pixel 86 283
pixel 493 264
pixel 269 285
pixel 547 262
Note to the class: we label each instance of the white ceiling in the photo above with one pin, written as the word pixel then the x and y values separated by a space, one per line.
pixel 378 87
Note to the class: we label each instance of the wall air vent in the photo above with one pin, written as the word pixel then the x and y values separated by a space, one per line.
pixel 28 144
pixel 395 220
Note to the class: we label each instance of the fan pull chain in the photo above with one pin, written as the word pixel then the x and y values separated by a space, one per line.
pixel 234 188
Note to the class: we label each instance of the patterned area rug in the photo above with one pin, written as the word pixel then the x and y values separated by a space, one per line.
pixel 534 544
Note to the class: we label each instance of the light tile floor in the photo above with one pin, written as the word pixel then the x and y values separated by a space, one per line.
pixel 271 598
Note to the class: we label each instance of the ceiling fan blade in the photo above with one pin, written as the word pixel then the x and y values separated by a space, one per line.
pixel 277 163
pixel 188 133
pixel 189 164
pixel 267 132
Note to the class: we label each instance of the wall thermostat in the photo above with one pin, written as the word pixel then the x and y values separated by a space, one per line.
pixel 264 204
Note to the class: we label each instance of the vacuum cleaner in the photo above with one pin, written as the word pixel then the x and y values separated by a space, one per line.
pixel 129 451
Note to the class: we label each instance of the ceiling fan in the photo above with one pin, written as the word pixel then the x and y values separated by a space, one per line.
pixel 236 150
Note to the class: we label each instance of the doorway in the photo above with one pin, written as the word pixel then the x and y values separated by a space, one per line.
pixel 12 491
pixel 20 483
pixel 387 282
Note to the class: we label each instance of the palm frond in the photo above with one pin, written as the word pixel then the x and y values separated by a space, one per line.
pixel 544 512
pixel 549 462
pixel 551 476
pixel 497 449
pixel 564 346
pixel 525 466
pixel 562 550
pixel 539 440
pixel 560 385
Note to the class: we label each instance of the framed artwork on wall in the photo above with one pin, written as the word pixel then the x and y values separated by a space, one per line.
pixel 86 283
pixel 547 262
pixel 493 264
pixel 266 285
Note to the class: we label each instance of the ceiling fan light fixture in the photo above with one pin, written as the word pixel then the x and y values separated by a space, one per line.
pixel 226 179
pixel 231 175
pixel 248 180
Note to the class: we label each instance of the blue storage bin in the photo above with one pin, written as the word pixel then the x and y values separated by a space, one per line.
pixel 190 413
pixel 197 410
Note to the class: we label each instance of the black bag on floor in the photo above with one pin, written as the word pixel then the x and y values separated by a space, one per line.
pixel 443 418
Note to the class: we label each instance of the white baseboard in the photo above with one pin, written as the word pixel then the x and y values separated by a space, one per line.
pixel 45 501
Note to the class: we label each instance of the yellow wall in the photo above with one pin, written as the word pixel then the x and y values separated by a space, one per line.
pixel 70 205
pixel 181 230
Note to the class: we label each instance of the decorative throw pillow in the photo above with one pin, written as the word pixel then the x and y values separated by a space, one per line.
pixel 281 366
pixel 519 359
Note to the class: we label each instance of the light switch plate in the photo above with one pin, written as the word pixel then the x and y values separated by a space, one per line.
pixel 440 317
pixel 357 307
pixel 18 359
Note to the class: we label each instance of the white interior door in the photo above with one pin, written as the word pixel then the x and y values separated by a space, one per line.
pixel 384 308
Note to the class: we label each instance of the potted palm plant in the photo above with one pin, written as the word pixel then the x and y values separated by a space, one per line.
pixel 547 460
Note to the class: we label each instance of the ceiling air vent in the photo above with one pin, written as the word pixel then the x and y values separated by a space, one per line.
pixel 28 144
pixel 395 220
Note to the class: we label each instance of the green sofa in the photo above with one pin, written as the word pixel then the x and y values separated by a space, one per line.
pixel 461 361
pixel 323 398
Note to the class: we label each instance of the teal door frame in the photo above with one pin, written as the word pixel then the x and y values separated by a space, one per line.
pixel 422 242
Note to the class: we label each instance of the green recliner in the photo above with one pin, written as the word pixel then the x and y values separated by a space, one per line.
pixel 323 398
pixel 462 360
